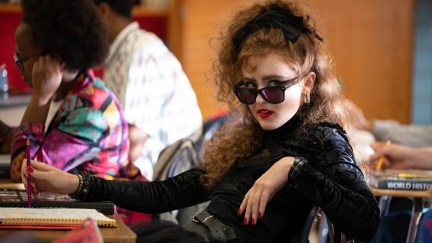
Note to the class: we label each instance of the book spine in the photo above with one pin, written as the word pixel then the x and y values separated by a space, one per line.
pixel 415 185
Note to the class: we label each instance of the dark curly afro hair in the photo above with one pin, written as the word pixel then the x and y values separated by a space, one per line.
pixel 121 7
pixel 71 29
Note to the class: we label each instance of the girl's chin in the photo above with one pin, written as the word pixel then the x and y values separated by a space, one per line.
pixel 269 127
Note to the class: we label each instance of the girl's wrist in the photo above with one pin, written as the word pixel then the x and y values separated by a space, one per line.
pixel 296 168
pixel 81 185
pixel 76 185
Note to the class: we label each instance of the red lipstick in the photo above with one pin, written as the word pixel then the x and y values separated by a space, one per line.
pixel 264 113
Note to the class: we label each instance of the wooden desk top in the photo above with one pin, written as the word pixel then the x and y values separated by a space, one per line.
pixel 121 233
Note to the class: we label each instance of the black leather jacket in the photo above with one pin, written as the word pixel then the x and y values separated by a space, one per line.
pixel 330 179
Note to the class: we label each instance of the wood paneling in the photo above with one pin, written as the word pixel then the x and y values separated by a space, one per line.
pixel 200 22
pixel 370 42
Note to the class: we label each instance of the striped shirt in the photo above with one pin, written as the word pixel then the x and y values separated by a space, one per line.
pixel 153 90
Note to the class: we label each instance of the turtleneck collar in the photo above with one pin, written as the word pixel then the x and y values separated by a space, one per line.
pixel 283 131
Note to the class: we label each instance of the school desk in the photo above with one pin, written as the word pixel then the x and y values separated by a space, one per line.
pixel 419 198
pixel 121 233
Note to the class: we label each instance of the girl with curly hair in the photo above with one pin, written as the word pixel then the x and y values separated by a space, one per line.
pixel 73 121
pixel 282 152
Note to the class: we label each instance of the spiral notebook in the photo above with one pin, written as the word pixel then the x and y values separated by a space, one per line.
pixel 51 218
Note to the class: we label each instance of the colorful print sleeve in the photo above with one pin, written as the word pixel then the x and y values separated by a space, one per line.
pixel 87 133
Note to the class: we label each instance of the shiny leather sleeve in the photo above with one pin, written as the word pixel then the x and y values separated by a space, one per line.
pixel 177 192
pixel 334 182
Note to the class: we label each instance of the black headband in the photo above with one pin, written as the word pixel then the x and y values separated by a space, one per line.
pixel 274 17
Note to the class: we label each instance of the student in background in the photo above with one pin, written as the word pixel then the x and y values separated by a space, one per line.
pixel 280 153
pixel 73 121
pixel 394 226
pixel 409 135
pixel 159 103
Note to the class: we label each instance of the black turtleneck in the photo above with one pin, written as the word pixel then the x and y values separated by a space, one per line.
pixel 330 178
pixel 283 131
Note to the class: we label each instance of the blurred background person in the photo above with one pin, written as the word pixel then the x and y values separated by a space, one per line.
pixel 73 121
pixel 383 130
pixel 159 102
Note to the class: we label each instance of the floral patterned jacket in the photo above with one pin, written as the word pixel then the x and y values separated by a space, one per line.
pixel 87 133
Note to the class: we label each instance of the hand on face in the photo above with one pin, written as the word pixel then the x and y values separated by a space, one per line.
pixel 47 75
pixel 47 178
pixel 395 156
pixel 264 189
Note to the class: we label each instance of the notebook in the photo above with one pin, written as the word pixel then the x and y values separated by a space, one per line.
pixel 55 218
pixel 18 198
pixel 5 160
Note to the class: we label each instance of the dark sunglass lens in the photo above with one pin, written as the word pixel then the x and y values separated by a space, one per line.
pixel 273 95
pixel 246 96
pixel 18 60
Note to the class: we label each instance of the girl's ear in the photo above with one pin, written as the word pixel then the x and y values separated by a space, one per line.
pixel 308 82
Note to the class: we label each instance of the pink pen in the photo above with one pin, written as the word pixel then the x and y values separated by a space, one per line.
pixel 29 176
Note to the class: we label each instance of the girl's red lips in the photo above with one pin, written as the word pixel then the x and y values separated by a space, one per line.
pixel 264 113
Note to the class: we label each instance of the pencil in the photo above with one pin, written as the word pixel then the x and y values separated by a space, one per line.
pixel 381 160
pixel 29 176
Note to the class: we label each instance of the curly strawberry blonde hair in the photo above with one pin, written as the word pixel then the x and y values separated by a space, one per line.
pixel 241 135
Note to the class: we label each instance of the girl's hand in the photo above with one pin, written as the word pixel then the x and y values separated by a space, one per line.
pixel 46 77
pixel 47 178
pixel 264 189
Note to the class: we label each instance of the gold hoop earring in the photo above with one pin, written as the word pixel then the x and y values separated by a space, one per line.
pixel 306 98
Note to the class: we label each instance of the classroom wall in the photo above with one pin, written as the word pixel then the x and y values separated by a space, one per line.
pixel 371 42
pixel 422 73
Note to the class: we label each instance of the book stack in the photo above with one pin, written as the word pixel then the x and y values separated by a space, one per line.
pixel 416 180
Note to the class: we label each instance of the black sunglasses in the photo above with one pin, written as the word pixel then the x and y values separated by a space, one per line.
pixel 19 60
pixel 271 94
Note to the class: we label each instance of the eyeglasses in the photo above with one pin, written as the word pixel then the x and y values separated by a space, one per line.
pixel 20 61
pixel 271 94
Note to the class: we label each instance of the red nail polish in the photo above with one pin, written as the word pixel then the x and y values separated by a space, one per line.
pixel 259 215
pixel 238 212
pixel 252 222
pixel 245 222
pixel 30 169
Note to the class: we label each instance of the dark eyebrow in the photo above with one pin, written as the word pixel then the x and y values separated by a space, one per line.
pixel 267 78
pixel 272 77
pixel 248 79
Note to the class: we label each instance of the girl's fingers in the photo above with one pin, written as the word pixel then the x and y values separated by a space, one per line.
pixel 248 210
pixel 243 204
pixel 255 207
pixel 263 204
